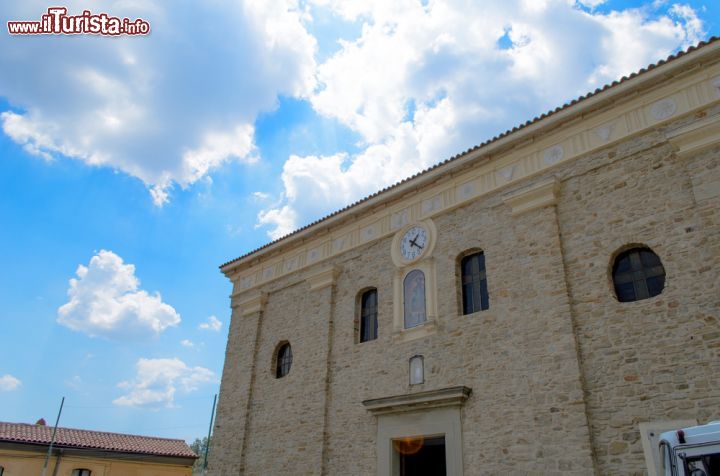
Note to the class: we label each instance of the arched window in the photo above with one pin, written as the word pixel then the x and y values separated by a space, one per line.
pixel 283 360
pixel 474 283
pixel 638 274
pixel 81 472
pixel 414 299
pixel 368 315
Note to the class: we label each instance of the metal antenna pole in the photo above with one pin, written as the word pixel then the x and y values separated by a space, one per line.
pixel 207 445
pixel 52 439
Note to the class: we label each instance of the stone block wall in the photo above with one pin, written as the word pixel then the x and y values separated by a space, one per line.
pixel 655 359
pixel 561 372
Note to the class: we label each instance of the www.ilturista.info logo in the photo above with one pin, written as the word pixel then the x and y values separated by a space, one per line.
pixel 58 22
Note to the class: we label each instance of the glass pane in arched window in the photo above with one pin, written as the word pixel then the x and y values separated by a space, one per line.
pixel 414 299
pixel 368 316
pixel 474 283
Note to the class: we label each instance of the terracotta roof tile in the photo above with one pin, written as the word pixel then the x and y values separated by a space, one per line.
pixel 97 440
pixel 487 142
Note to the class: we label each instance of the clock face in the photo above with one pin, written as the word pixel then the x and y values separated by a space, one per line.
pixel 413 242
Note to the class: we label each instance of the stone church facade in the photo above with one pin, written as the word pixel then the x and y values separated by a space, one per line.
pixel 544 303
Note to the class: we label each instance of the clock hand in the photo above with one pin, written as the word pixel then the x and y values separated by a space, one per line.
pixel 413 242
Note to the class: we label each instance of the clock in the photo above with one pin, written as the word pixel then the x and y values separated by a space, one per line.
pixel 414 242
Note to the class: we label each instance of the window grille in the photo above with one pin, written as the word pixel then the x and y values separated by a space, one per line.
pixel 474 283
pixel 368 316
pixel 284 360
pixel 638 274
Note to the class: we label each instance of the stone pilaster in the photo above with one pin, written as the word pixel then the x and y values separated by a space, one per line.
pixel 556 381
pixel 231 425
pixel 322 284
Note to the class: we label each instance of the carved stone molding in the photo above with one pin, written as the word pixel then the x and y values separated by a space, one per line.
pixel 444 397
pixel 663 109
pixel 537 196
pixel 696 137
pixel 250 303
pixel 400 334
pixel 395 254
pixel 322 278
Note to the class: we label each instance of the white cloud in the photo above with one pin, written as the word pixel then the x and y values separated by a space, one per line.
pixel 159 194
pixel 687 16
pixel 283 220
pixel 424 82
pixel 217 147
pixel 213 324
pixel 187 343
pixel 76 382
pixel 105 300
pixel 157 381
pixel 8 383
pixel 167 108
pixel 591 3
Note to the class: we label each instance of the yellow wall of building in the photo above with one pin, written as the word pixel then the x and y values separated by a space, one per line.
pixel 27 463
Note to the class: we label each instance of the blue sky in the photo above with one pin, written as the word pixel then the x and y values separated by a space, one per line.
pixel 132 167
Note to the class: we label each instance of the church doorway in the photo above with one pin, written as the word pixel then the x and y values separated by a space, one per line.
pixel 420 456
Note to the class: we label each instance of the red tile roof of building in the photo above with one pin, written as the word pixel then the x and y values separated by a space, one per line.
pixel 96 440
pixel 508 132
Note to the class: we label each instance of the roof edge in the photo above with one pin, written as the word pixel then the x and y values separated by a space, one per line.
pixel 98 431
pixel 601 96
pixel 94 451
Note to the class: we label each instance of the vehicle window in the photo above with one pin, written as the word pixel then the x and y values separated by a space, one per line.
pixel 705 465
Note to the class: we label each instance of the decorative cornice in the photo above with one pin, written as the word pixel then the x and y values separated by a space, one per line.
pixel 531 198
pixel 249 303
pixel 704 54
pixel 444 397
pixel 696 137
pixel 322 278
pixel 468 178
